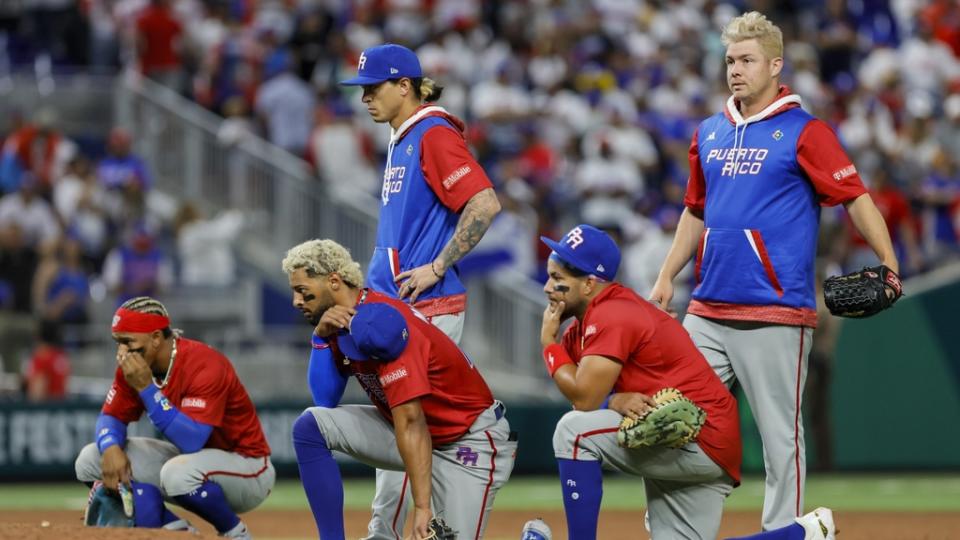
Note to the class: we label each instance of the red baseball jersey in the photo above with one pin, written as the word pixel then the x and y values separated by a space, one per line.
pixel 656 352
pixel 432 368
pixel 204 386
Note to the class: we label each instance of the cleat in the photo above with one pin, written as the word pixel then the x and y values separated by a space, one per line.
pixel 536 529
pixel 818 525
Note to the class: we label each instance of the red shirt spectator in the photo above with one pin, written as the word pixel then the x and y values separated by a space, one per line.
pixel 157 33
pixel 49 368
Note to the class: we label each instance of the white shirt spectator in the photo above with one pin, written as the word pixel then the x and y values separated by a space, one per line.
pixel 206 252
pixel 608 186
pixel 34 217
pixel 287 103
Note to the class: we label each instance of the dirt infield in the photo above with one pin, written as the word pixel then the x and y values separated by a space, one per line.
pixel 504 525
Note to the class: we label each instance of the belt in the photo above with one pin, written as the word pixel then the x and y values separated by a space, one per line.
pixel 499 410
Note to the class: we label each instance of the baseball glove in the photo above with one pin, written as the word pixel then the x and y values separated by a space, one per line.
pixel 440 530
pixel 673 423
pixel 863 293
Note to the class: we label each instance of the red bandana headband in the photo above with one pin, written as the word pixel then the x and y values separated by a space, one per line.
pixel 126 320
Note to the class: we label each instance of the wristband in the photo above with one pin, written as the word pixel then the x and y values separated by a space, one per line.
pixel 434 270
pixel 554 356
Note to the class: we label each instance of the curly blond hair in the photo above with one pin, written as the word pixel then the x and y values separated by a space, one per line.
pixel 755 25
pixel 321 258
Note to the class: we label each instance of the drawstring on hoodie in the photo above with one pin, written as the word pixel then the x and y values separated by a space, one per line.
pixel 395 135
pixel 740 137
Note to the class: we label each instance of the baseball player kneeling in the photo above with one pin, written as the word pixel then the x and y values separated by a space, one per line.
pixel 669 420
pixel 433 415
pixel 217 461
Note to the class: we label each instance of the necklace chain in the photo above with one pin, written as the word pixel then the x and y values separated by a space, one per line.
pixel 173 356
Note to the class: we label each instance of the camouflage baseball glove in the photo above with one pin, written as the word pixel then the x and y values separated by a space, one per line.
pixel 673 423
pixel 863 293
pixel 440 530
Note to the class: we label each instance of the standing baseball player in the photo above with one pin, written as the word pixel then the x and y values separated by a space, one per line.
pixel 619 343
pixel 433 415
pixel 436 205
pixel 215 461
pixel 759 172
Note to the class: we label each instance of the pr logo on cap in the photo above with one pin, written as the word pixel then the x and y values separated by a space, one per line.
pixel 574 237
pixel 362 61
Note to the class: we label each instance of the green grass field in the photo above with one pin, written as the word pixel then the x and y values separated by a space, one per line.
pixel 901 492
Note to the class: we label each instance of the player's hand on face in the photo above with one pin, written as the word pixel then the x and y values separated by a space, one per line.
pixel 414 282
pixel 135 369
pixel 421 520
pixel 333 320
pixel 661 294
pixel 633 405
pixel 550 329
pixel 115 467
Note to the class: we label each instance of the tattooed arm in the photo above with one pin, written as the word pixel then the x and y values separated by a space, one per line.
pixel 474 221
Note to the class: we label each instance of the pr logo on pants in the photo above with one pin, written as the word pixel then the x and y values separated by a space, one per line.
pixel 467 456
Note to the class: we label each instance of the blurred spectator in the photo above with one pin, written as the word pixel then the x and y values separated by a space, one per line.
pixel 46 374
pixel 308 40
pixel 33 216
pixel 81 203
pixel 236 125
pixel 158 41
pixel 37 148
pixel 508 243
pixel 61 288
pixel 205 246
pixel 285 105
pixel 138 267
pixel 607 185
pixel 342 154
pixel 18 263
pixel 642 257
pixel 939 191
pixel 126 179
pixel 895 209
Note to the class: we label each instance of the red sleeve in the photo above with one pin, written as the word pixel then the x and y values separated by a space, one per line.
pixel 205 397
pixel 406 378
pixel 833 175
pixel 611 336
pixel 123 402
pixel 696 196
pixel 453 174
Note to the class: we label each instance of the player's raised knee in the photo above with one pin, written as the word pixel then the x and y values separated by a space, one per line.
pixel 567 430
pixel 87 465
pixel 179 476
pixel 306 429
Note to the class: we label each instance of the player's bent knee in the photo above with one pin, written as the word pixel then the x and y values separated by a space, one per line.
pixel 87 465
pixel 180 475
pixel 567 430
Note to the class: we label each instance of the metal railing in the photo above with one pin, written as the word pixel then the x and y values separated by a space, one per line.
pixel 289 204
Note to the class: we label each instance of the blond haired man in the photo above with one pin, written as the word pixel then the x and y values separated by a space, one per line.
pixel 759 172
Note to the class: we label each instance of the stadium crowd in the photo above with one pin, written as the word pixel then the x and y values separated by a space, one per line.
pixel 579 112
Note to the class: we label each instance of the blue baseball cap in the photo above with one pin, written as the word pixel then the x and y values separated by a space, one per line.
pixel 589 250
pixel 385 62
pixel 377 332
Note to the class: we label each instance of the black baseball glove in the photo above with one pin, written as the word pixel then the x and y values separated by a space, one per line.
pixel 863 293
pixel 440 530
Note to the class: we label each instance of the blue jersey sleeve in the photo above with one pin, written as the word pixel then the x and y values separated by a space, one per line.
pixel 326 382
pixel 187 434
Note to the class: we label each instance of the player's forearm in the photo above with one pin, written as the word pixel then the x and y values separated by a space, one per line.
pixel 472 225
pixel 685 241
pixel 416 450
pixel 583 397
pixel 870 224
